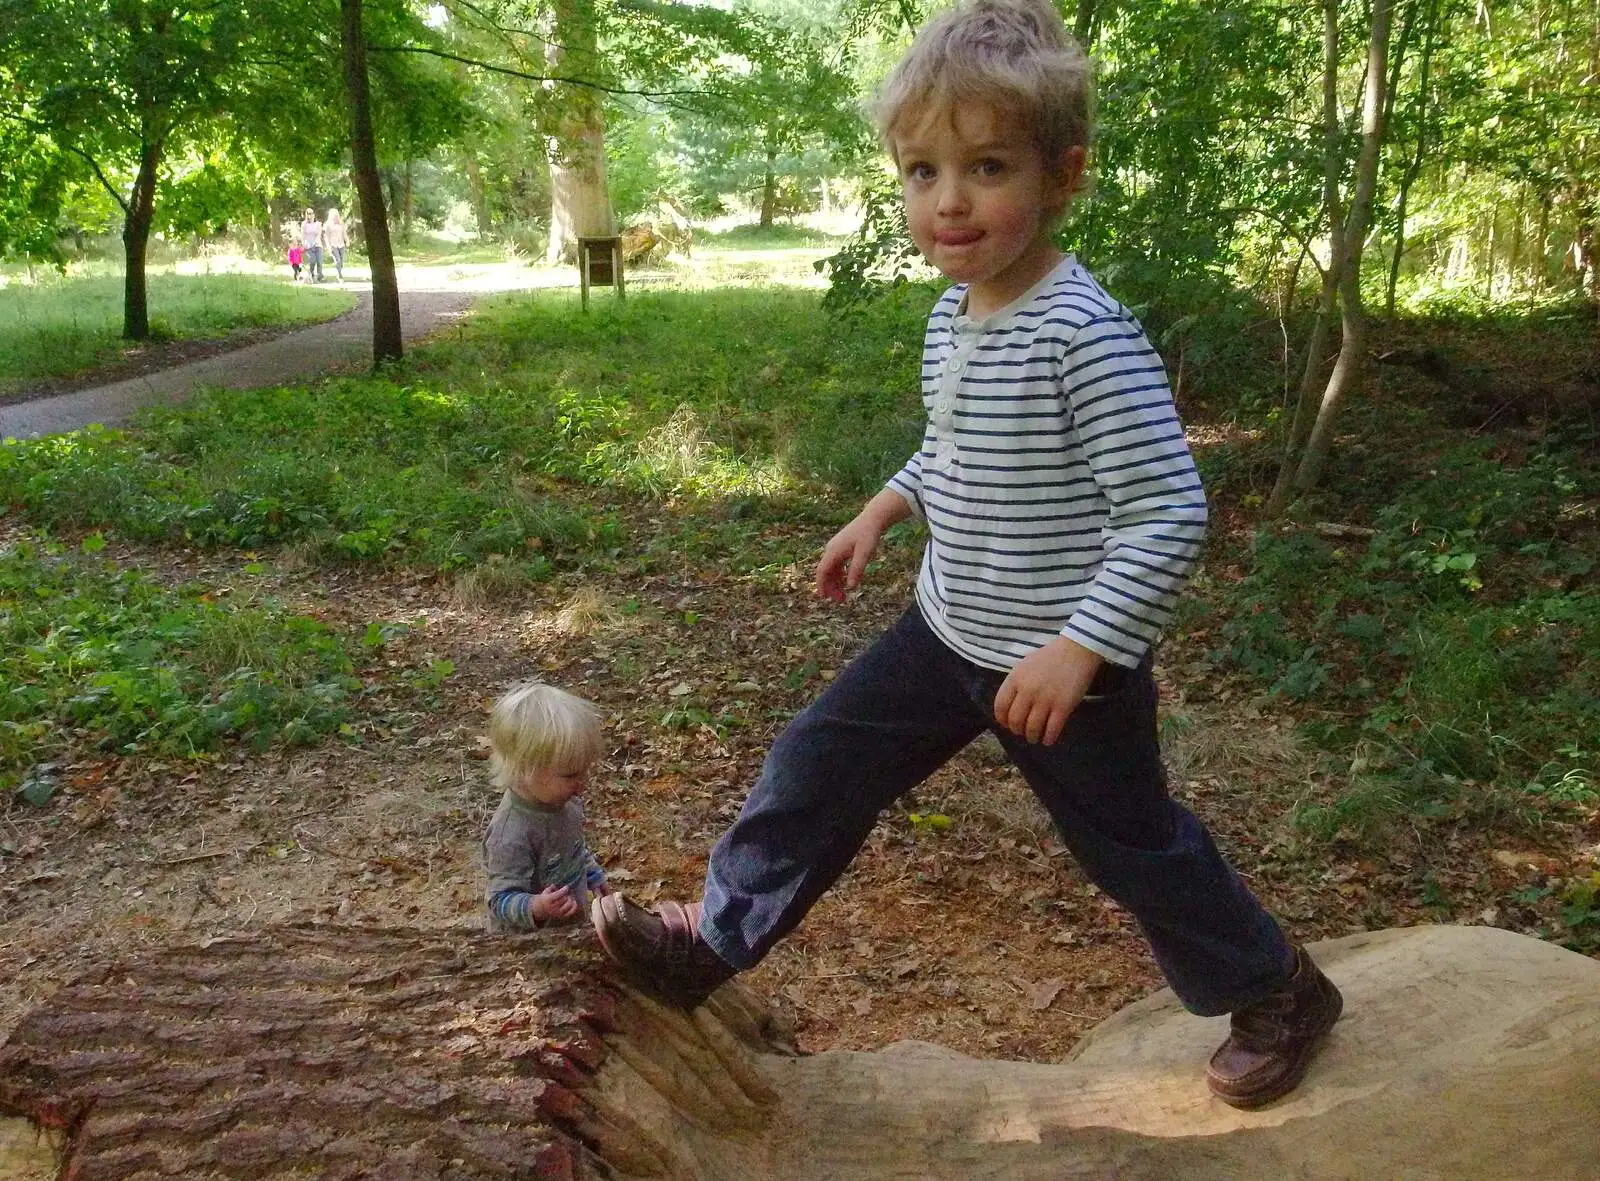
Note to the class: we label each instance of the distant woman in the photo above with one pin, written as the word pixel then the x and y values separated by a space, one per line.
pixel 311 239
pixel 335 240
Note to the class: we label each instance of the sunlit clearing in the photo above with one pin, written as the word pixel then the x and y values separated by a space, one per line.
pixel 677 456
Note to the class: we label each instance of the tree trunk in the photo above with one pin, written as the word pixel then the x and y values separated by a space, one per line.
pixel 406 187
pixel 136 244
pixel 1494 234
pixel 1298 428
pixel 347 1053
pixel 477 193
pixel 769 189
pixel 1586 245
pixel 580 203
pixel 1351 365
pixel 1085 22
pixel 387 341
pixel 1414 168
pixel 1542 245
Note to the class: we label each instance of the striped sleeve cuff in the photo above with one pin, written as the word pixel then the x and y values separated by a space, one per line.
pixel 907 484
pixel 513 910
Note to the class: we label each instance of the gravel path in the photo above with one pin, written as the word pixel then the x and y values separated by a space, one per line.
pixel 430 299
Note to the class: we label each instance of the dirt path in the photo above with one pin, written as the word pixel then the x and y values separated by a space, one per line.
pixel 431 298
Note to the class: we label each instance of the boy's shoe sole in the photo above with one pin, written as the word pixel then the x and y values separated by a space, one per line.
pixel 660 950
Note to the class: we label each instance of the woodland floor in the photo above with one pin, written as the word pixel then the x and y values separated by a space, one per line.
pixel 981 935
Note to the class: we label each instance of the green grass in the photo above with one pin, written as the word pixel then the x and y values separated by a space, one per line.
pixel 733 395
pixel 426 250
pixel 96 658
pixel 779 236
pixel 62 327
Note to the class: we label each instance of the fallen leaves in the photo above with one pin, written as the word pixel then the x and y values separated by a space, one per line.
pixel 1043 994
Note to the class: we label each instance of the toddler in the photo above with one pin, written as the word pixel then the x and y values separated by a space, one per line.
pixel 542 744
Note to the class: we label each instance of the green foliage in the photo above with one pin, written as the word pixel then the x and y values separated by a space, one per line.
pixel 98 658
pixel 53 329
pixel 1459 644
pixel 38 176
pixel 356 470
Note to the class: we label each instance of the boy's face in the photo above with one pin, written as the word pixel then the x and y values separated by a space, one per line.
pixel 552 785
pixel 981 199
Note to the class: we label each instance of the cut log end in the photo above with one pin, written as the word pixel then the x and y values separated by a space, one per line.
pixel 345 1052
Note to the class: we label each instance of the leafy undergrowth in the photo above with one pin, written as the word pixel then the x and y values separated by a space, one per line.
pixel 629 504
pixel 103 662
pixel 62 327
pixel 99 658
pixel 1430 616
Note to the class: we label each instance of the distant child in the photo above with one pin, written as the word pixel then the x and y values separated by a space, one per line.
pixel 1064 515
pixel 296 253
pixel 542 743
pixel 335 240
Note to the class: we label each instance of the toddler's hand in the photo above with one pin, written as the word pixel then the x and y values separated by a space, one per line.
pixel 1036 700
pixel 554 904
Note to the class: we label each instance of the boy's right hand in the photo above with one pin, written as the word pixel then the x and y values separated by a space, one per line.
pixel 845 558
pixel 554 904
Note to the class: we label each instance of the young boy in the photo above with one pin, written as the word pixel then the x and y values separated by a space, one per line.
pixel 1064 515
pixel 542 743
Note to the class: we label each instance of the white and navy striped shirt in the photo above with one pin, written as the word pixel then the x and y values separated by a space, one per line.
pixel 1059 492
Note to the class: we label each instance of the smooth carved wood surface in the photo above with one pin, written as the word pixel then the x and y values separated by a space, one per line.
pixel 1465 1053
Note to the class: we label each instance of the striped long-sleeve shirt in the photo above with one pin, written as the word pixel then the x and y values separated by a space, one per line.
pixel 1059 492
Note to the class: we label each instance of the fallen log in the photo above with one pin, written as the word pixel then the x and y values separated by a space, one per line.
pixel 1465 1053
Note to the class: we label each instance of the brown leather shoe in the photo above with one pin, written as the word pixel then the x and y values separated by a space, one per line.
pixel 1273 1040
pixel 661 949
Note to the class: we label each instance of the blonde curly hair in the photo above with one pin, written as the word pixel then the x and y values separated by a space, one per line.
pixel 537 726
pixel 1014 55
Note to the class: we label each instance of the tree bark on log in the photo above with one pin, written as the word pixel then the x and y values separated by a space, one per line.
pixel 1466 1054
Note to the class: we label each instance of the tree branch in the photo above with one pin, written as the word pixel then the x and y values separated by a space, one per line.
pixel 507 70
pixel 1287 227
pixel 45 129
pixel 115 196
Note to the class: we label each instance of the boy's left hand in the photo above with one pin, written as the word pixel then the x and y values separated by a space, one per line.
pixel 1037 698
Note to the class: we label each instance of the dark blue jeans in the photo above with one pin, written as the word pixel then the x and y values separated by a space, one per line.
pixel 902 709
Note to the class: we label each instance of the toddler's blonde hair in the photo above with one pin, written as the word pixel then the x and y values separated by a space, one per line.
pixel 1015 55
pixel 536 726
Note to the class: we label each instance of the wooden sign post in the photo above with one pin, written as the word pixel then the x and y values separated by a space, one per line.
pixel 599 265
